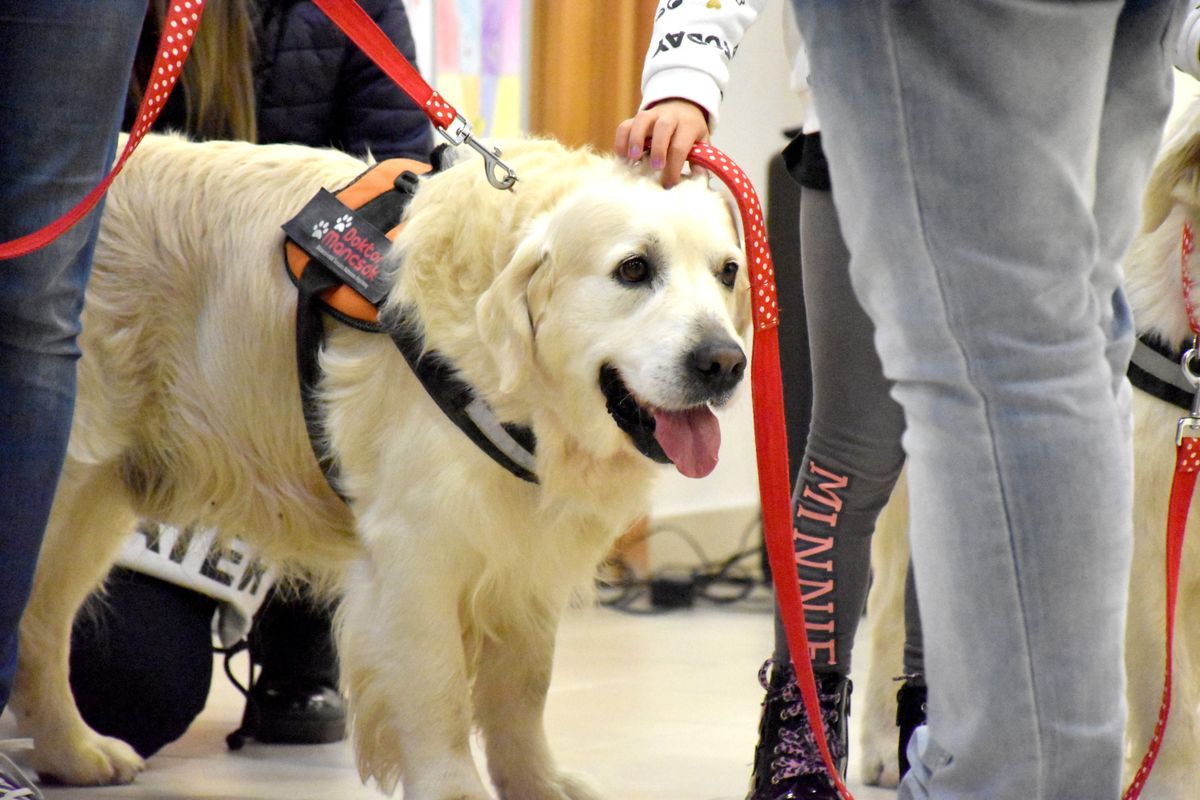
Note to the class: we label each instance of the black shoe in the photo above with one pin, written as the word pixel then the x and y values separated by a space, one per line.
pixel 291 713
pixel 787 762
pixel 911 702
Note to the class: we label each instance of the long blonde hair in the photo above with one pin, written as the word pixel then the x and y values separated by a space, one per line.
pixel 218 78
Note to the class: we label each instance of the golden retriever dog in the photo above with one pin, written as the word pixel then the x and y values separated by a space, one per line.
pixel 587 287
pixel 1155 290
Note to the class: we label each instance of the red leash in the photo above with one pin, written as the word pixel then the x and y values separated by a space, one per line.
pixel 1187 463
pixel 770 437
pixel 179 31
pixel 175 42
pixel 362 30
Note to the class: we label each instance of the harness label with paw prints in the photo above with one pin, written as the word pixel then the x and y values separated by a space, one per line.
pixel 335 236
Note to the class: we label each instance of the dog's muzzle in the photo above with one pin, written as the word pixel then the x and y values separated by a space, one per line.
pixel 689 437
pixel 630 416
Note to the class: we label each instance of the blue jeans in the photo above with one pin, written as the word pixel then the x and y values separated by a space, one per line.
pixel 988 159
pixel 64 71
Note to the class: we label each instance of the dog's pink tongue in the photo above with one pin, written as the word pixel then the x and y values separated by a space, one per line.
pixel 691 439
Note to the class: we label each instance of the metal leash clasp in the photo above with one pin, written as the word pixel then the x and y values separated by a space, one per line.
pixel 1189 426
pixel 459 132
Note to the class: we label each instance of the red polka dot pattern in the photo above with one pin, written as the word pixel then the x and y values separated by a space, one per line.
pixel 1187 465
pixel 769 425
pixel 179 31
pixel 1188 457
pixel 765 305
pixel 1139 780
pixel 439 111
pixel 1186 247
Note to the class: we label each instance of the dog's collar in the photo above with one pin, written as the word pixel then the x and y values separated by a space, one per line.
pixel 1154 369
pixel 373 203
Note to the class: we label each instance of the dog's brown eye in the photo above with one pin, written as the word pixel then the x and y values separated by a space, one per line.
pixel 728 273
pixel 633 270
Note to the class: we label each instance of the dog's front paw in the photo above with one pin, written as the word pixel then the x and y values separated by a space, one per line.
pixel 87 759
pixel 877 763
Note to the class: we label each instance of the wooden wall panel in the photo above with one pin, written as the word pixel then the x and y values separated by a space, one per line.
pixel 586 67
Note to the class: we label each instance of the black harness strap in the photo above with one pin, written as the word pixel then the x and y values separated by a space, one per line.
pixel 512 446
pixel 1154 369
pixel 310 334
pixel 509 445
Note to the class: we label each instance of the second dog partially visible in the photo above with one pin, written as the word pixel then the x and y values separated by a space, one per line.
pixel 1155 288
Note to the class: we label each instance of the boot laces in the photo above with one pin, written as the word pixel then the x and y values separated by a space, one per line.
pixel 796 752
pixel 13 784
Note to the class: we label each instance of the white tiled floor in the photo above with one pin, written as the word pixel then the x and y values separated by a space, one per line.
pixel 645 707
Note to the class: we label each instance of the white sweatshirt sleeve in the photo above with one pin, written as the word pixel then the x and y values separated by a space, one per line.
pixel 1187 52
pixel 691 46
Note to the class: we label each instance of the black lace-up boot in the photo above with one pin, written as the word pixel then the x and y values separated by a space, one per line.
pixel 787 763
pixel 910 713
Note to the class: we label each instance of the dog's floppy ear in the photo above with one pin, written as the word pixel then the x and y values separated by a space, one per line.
pixel 1177 167
pixel 503 313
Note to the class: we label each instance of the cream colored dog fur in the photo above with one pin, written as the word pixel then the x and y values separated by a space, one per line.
pixel 454 572
pixel 1154 287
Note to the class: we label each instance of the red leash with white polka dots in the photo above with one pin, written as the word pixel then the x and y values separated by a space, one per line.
pixel 770 437
pixel 1187 464
pixel 179 31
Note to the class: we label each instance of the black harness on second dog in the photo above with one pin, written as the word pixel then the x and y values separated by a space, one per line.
pixel 333 253
pixel 1154 369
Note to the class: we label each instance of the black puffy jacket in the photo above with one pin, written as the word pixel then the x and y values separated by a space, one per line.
pixel 315 87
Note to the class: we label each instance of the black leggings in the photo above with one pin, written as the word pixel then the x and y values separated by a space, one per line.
pixel 141 655
pixel 141 659
pixel 853 454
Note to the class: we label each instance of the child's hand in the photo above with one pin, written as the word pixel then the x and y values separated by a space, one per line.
pixel 671 126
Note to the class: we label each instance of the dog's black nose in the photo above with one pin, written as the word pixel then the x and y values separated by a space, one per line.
pixel 718 364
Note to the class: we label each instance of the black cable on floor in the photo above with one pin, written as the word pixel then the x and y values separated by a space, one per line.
pixel 724 582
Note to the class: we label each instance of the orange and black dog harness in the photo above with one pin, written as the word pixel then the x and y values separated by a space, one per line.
pixel 379 196
pixel 334 252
